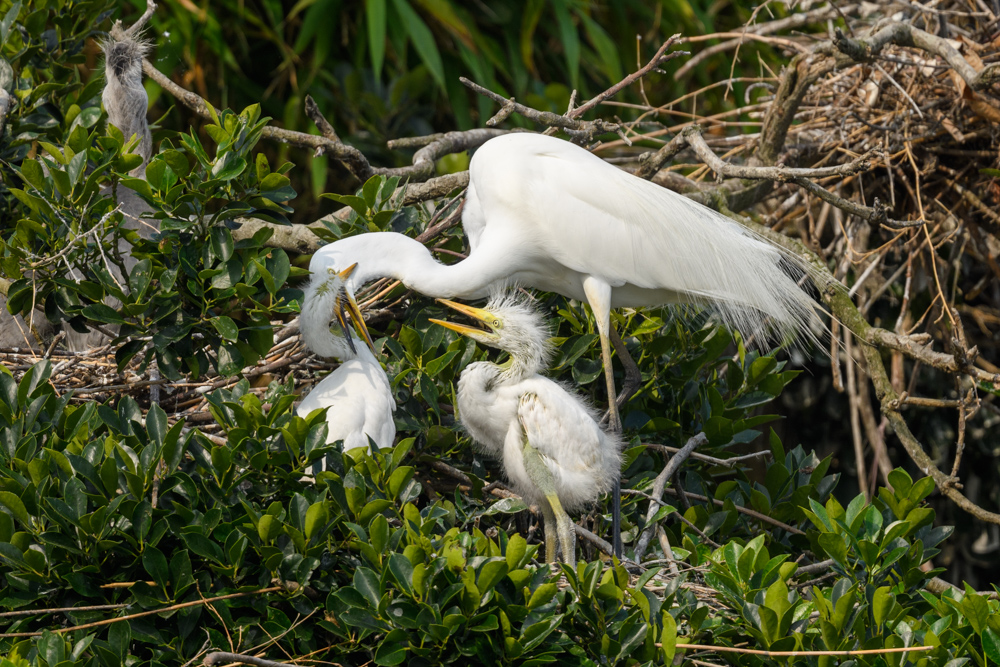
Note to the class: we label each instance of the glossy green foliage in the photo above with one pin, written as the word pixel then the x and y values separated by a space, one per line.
pixel 874 599
pixel 205 299
pixel 94 494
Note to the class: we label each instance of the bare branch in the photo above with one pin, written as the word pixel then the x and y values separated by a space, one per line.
pixel 673 465
pixel 585 129
pixel 656 61
pixel 914 348
pixel 904 34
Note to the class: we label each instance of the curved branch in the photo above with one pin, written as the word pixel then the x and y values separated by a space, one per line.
pixel 904 34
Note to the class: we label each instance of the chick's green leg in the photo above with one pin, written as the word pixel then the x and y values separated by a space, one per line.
pixel 551 543
pixel 557 522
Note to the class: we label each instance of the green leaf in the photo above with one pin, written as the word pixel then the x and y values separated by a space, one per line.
pixel 317 517
pixel 991 645
pixel 370 190
pixel 569 39
pixel 882 604
pixel 490 574
pixel 506 506
pixel 402 571
pixel 226 328
pixel 542 595
pixel 222 243
pixel 16 507
pixel 375 14
pixel 835 546
pixel 5 24
pixel 668 638
pixel 516 547
pixel 31 172
pixel 976 610
pixel 366 582
pixel 605 47
pixel 392 650
pixel 356 203
pixel 140 277
pixel 98 312
pixel 229 167
pixel 156 424
pixel 156 565
pixel 423 40
pixel 230 360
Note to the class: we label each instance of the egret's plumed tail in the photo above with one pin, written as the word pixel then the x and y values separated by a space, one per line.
pixel 711 260
pixel 314 321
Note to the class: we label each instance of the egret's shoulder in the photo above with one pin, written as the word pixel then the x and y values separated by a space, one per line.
pixel 518 146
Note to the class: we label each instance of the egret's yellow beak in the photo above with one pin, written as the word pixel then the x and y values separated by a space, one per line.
pixel 351 307
pixel 484 316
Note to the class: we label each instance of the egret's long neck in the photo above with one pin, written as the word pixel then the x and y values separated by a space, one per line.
pixel 529 357
pixel 392 255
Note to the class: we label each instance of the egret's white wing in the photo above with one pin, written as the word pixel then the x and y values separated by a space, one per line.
pixel 597 220
pixel 583 461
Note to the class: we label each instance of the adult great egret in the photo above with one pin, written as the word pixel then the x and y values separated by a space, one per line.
pixel 553 450
pixel 357 394
pixel 547 214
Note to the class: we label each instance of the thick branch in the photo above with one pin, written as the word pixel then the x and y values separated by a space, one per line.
pixel 904 34
pixel 140 23
pixel 650 163
pixel 916 350
pixel 692 134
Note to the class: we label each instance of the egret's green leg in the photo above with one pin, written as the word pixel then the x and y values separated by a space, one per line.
pixel 598 295
pixel 557 522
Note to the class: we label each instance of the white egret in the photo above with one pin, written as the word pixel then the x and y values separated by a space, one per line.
pixel 357 394
pixel 554 452
pixel 547 214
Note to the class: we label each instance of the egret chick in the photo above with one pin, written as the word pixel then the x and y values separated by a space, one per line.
pixel 357 394
pixel 554 452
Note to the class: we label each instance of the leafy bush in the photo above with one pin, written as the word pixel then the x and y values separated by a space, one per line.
pixel 105 507
pixel 158 541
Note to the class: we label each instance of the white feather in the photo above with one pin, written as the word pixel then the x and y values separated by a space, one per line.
pixel 548 214
pixel 501 408
pixel 357 394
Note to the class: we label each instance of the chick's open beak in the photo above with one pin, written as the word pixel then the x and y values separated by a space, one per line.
pixel 345 304
pixel 484 316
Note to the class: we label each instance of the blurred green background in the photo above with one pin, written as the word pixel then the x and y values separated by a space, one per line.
pixel 382 69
